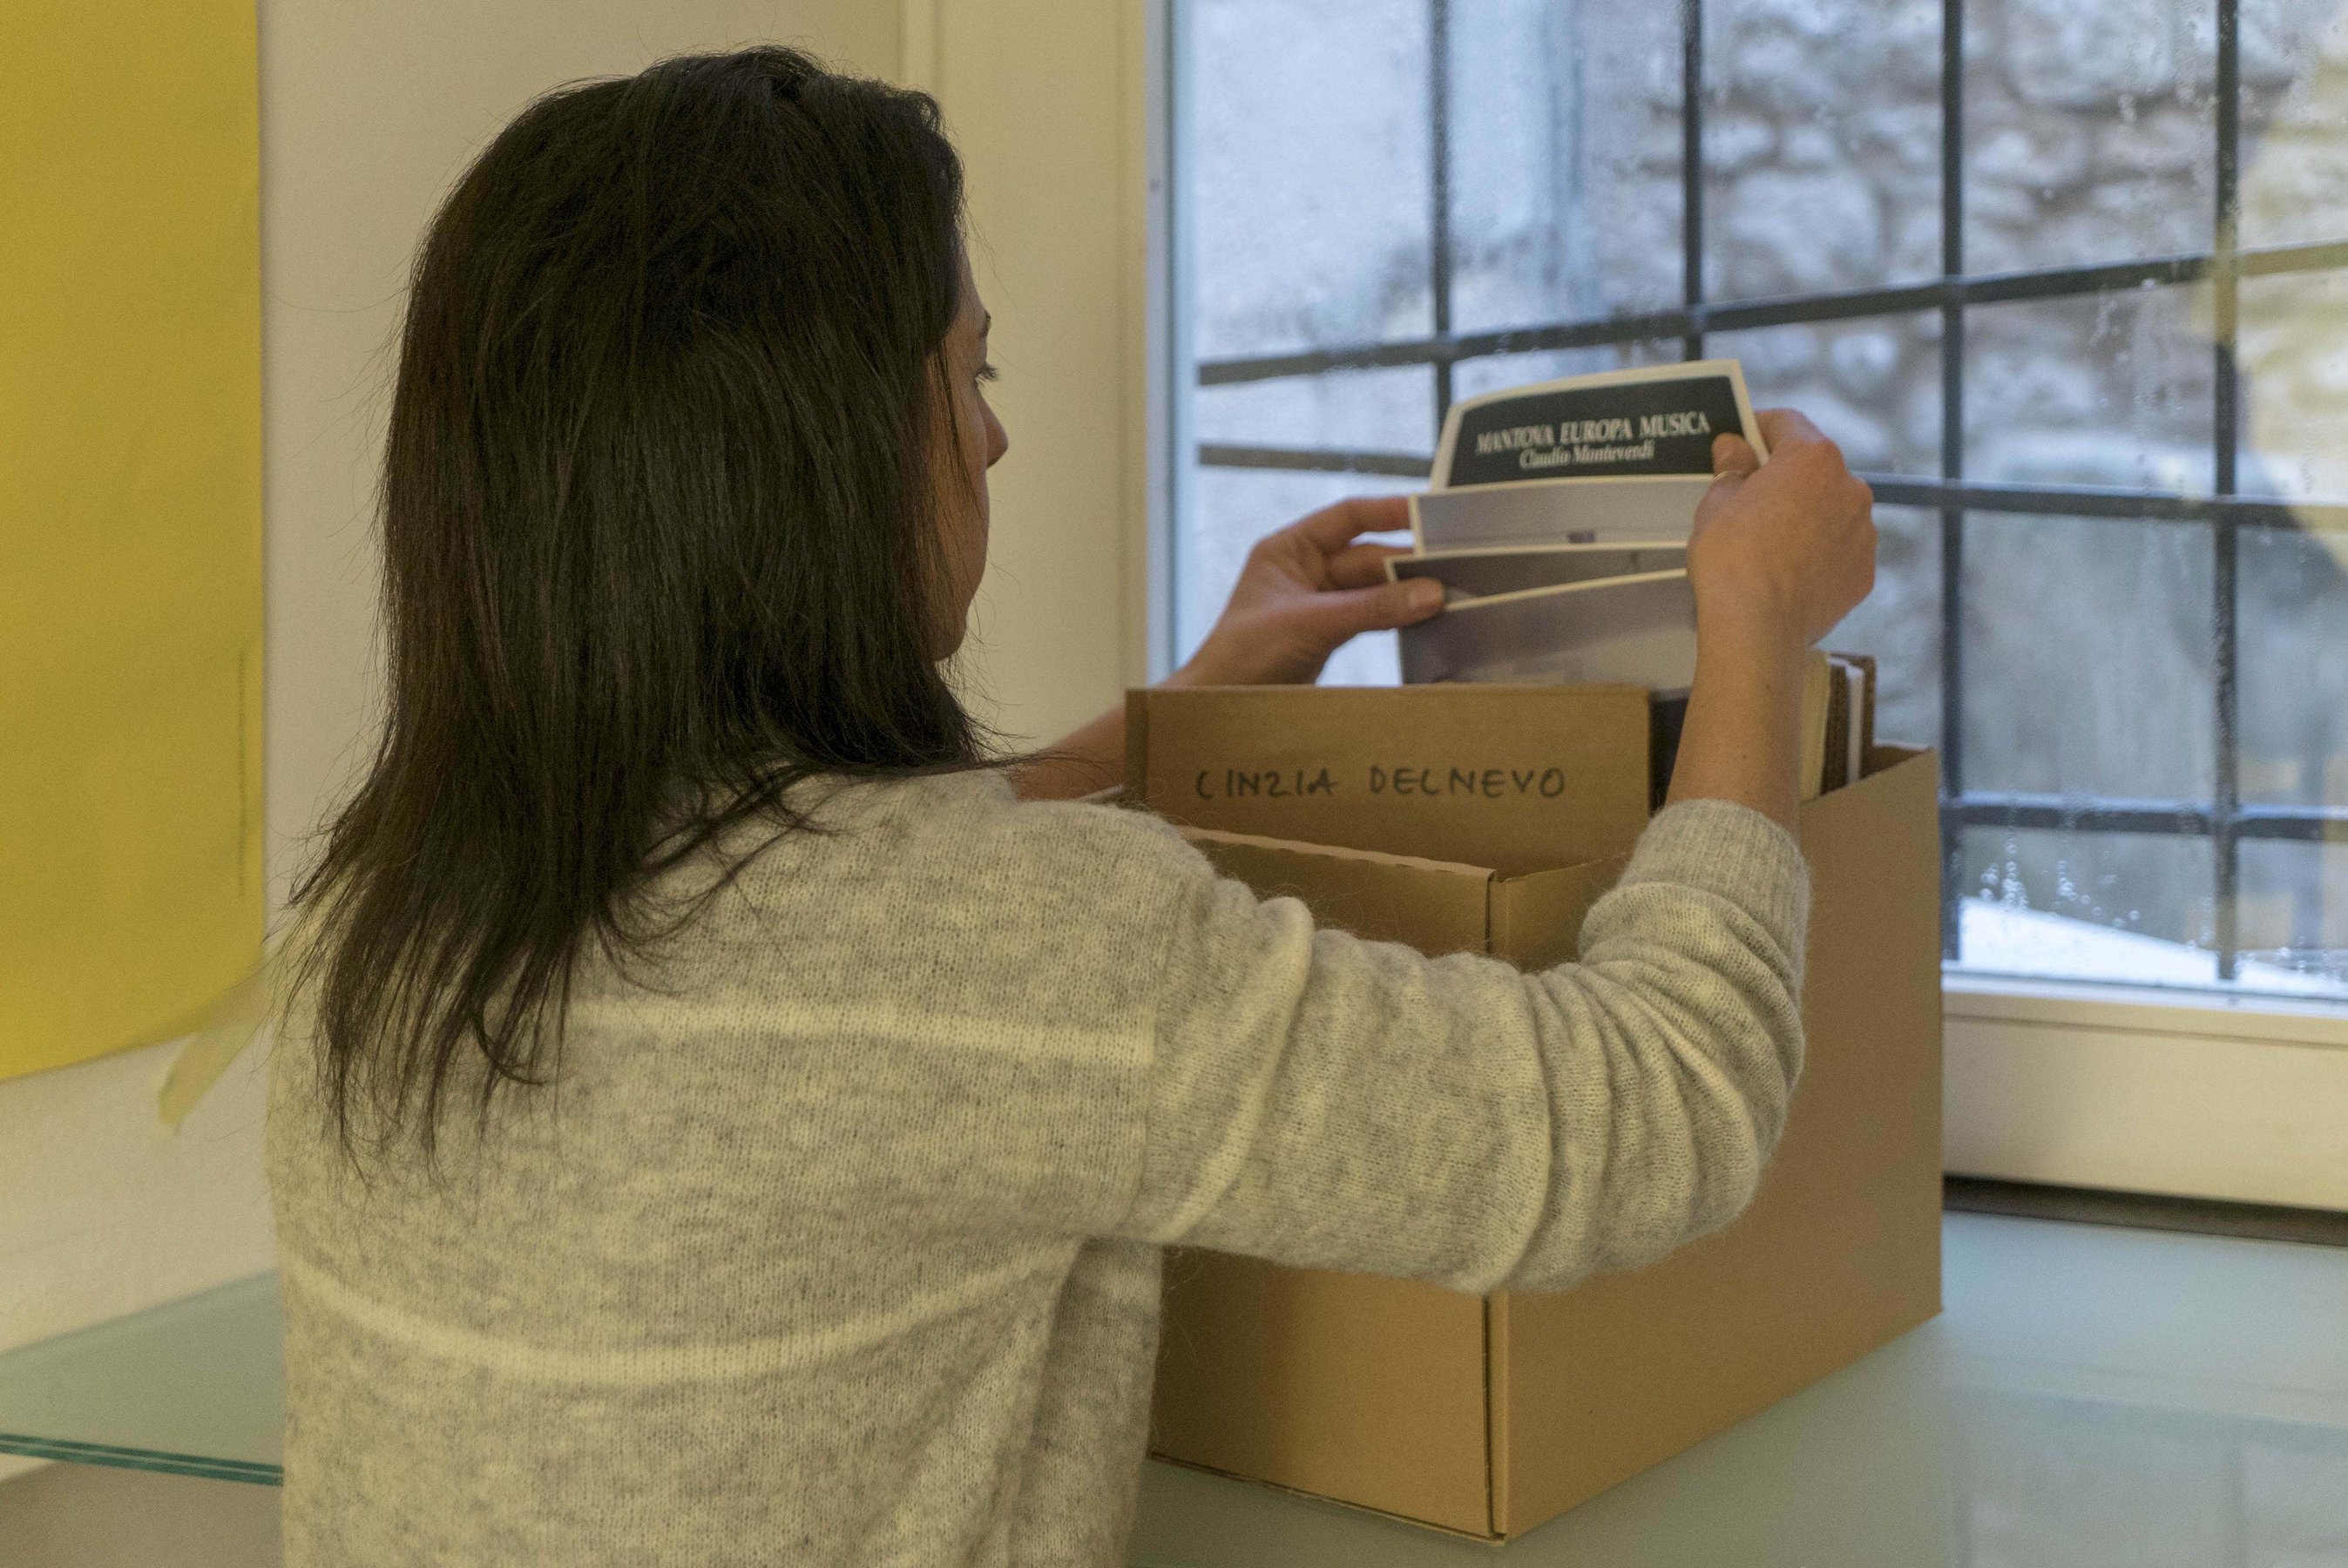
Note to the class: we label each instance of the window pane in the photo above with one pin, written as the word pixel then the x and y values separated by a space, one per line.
pixel 1373 659
pixel 1873 386
pixel 2135 908
pixel 1496 373
pixel 2089 657
pixel 2294 121
pixel 1900 625
pixel 1822 144
pixel 2292 351
pixel 2114 390
pixel 2293 687
pixel 1349 411
pixel 2089 648
pixel 2292 915
pixel 1565 161
pixel 1308 159
pixel 2090 131
pixel 1225 511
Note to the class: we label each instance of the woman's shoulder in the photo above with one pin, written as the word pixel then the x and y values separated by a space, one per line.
pixel 979 816
pixel 967 838
pixel 953 896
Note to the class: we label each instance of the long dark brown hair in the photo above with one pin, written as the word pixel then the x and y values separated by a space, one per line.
pixel 658 525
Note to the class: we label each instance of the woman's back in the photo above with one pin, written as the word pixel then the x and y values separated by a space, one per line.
pixel 769 1273
pixel 842 1244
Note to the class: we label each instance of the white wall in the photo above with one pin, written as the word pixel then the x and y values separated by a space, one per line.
pixel 1044 99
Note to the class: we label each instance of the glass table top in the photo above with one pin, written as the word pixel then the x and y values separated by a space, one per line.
pixel 2091 1396
pixel 193 1388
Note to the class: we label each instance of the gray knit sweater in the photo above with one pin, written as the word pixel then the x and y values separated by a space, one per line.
pixel 843 1247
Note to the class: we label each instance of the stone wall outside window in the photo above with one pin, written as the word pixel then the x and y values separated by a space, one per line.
pixel 2090 136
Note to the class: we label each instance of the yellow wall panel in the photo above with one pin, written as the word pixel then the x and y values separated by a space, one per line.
pixel 131 899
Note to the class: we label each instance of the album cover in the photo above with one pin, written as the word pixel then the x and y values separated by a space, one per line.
pixel 1620 457
pixel 1468 574
pixel 1638 631
pixel 1655 422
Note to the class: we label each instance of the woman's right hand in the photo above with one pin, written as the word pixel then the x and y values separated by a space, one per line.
pixel 1784 548
pixel 1781 551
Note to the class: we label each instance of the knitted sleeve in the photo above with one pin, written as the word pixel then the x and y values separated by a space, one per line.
pixel 1327 1102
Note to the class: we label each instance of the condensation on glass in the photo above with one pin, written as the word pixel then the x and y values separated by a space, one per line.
pixel 2067 279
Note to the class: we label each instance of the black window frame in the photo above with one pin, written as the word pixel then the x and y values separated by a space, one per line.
pixel 2225 820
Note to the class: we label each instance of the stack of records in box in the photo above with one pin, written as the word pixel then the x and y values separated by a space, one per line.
pixel 1558 525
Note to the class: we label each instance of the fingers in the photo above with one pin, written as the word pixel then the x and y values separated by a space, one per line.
pixel 1812 462
pixel 1344 613
pixel 1332 528
pixel 1732 456
pixel 1361 566
pixel 1783 427
pixel 1733 461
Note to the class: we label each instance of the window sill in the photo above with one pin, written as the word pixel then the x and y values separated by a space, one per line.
pixel 2205 1097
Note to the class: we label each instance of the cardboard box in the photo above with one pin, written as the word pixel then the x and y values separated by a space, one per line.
pixel 1486 1416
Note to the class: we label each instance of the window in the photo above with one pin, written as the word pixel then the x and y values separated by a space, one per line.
pixel 2068 280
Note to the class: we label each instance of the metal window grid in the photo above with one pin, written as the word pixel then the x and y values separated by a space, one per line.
pixel 2225 820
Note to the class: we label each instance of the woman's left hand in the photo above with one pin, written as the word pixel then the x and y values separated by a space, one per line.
pixel 1307 590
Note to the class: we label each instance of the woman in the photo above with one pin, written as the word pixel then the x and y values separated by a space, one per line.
pixel 720 1122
